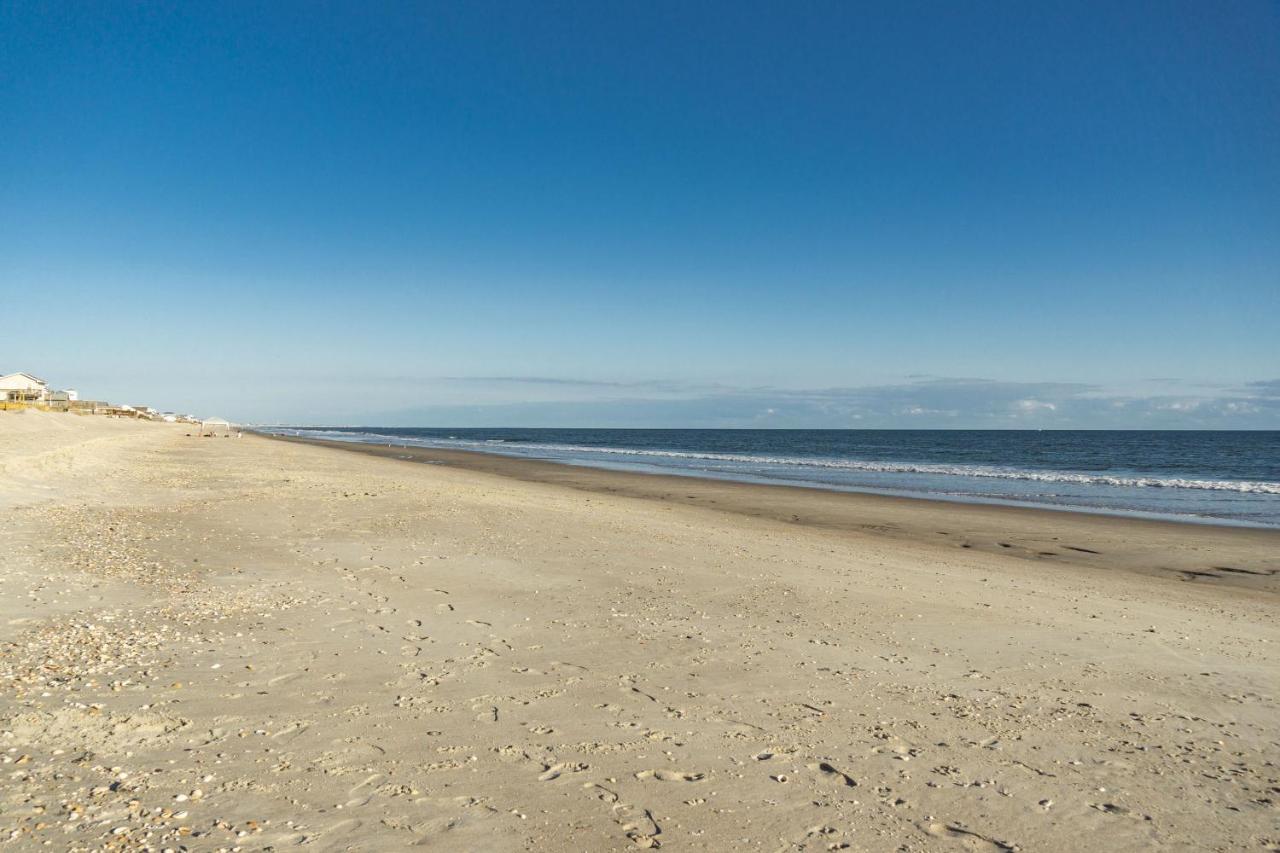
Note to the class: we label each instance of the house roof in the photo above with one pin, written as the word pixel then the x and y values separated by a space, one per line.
pixel 28 375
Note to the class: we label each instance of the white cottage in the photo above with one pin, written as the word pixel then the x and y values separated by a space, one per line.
pixel 23 387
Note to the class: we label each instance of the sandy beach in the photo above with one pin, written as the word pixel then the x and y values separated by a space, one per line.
pixel 254 643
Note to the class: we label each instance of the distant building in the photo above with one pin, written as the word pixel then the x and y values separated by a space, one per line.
pixel 23 387
pixel 64 401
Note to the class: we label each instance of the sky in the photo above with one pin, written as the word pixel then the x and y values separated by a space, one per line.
pixel 1005 215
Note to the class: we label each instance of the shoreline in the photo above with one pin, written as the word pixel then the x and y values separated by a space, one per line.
pixel 818 485
pixel 1224 555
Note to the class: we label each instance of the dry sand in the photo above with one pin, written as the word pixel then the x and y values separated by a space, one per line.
pixel 249 644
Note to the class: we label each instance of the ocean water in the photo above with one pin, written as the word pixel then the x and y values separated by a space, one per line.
pixel 1217 476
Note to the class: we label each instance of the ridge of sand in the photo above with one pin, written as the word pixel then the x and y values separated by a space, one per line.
pixel 221 643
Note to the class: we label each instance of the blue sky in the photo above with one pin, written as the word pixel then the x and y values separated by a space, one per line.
pixel 648 214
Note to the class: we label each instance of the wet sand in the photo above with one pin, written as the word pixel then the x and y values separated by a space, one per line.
pixel 1221 555
pixel 258 644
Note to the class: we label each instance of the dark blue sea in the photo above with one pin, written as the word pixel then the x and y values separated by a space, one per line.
pixel 1192 476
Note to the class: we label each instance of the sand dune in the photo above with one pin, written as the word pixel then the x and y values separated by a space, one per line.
pixel 220 643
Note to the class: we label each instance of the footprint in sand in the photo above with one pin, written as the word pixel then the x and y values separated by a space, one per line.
pixel 834 775
pixel 637 823
pixel 967 838
pixel 899 752
pixel 555 771
pixel 670 776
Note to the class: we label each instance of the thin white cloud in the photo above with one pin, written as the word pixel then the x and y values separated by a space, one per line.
pixel 928 402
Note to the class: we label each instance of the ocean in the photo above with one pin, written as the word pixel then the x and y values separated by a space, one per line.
pixel 1219 476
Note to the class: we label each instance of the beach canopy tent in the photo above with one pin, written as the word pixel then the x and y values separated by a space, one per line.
pixel 213 426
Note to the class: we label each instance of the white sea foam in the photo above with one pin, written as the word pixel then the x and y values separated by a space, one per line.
pixel 586 452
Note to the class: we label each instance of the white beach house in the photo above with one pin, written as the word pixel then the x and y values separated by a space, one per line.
pixel 23 387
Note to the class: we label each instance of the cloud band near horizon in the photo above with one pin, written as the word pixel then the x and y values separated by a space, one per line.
pixel 924 402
